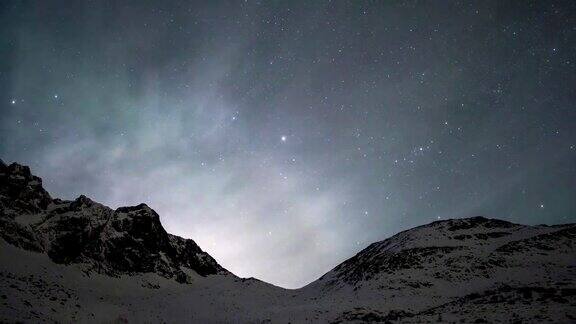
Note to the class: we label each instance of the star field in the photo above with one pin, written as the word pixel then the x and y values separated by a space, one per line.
pixel 285 137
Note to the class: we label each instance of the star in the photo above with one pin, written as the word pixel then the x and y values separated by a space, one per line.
pixel 13 102
pixel 283 138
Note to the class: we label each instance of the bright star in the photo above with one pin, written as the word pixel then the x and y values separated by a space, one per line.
pixel 283 138
pixel 13 101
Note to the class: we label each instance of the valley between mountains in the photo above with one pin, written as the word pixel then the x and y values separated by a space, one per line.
pixel 80 261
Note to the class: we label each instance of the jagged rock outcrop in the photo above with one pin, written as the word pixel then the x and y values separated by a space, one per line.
pixel 125 240
pixel 20 191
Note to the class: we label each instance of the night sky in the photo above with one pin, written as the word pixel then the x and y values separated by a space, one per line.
pixel 283 137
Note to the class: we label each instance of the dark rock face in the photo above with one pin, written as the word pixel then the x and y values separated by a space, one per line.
pixel 189 254
pixel 20 191
pixel 69 227
pixel 137 230
pixel 474 222
pixel 19 236
pixel 122 241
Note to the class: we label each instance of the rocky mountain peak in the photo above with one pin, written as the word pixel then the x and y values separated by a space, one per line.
pixel 83 201
pixel 122 241
pixel 21 192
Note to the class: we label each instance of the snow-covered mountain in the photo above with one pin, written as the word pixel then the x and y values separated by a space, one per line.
pixel 470 269
pixel 80 261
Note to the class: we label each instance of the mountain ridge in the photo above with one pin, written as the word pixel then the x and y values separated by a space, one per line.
pixel 127 239
pixel 124 262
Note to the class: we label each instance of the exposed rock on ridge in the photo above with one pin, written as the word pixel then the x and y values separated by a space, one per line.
pixel 125 240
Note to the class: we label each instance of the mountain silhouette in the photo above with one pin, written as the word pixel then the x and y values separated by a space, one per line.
pixel 79 260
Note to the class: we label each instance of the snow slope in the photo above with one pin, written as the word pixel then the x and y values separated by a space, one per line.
pixel 80 261
pixel 464 269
